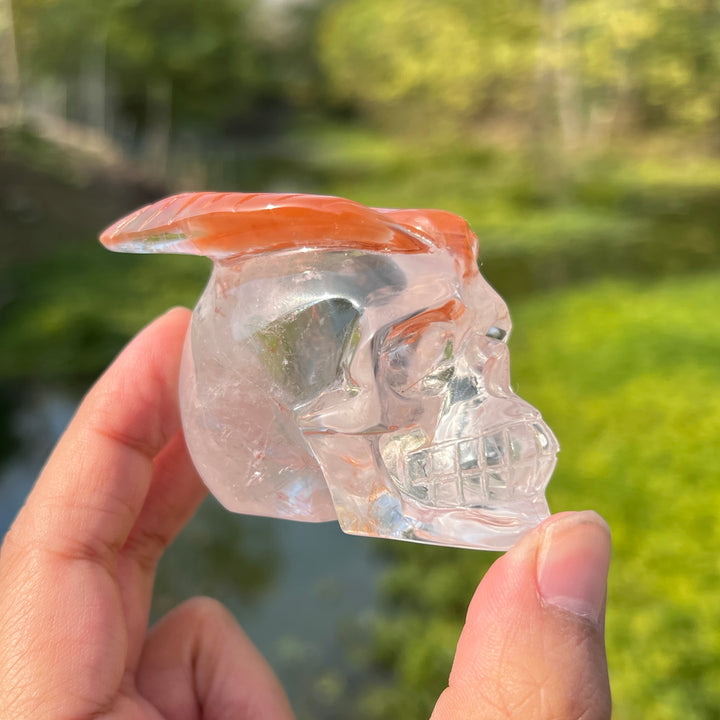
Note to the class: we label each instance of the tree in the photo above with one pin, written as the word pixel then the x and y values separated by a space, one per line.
pixel 9 66
pixel 384 54
pixel 159 62
pixel 584 70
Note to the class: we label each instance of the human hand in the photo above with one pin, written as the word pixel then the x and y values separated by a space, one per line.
pixel 77 569
pixel 533 643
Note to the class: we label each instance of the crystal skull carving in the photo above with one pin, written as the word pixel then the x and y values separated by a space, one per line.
pixel 350 363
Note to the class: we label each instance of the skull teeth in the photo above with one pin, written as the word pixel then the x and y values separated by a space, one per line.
pixel 512 461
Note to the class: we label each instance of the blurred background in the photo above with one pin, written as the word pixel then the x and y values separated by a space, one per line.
pixel 580 138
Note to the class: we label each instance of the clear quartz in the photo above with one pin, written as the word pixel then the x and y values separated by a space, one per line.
pixel 300 402
pixel 367 386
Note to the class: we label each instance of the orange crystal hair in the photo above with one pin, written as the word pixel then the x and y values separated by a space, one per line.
pixel 222 225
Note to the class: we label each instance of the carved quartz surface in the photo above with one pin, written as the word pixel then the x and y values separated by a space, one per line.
pixel 350 363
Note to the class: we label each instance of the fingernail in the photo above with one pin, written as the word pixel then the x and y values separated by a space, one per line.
pixel 573 563
pixel 174 309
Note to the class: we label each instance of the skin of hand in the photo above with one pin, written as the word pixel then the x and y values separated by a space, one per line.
pixel 77 569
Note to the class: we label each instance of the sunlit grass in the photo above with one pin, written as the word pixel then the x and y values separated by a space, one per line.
pixel 627 375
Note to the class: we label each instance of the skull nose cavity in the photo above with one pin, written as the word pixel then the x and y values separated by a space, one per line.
pixel 512 462
pixel 484 363
pixel 461 389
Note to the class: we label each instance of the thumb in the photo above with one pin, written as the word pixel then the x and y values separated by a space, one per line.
pixel 532 645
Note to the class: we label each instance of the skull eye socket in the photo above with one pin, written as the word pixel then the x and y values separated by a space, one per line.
pixel 418 363
pixel 497 333
pixel 303 351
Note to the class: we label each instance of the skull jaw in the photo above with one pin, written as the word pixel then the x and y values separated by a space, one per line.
pixel 486 502
pixel 476 528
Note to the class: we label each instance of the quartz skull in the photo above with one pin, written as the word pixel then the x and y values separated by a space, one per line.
pixel 350 363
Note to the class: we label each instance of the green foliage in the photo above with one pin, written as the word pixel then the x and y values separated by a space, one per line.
pixel 428 62
pixel 584 70
pixel 630 384
pixel 72 25
pixel 426 592
pixel 680 74
pixel 589 68
pixel 201 54
pixel 664 53
pixel 67 315
pixel 200 49
pixel 381 52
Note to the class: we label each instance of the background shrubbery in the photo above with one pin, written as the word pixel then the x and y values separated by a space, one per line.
pixel 579 138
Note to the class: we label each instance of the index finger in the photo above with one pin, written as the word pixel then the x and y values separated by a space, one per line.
pixel 93 487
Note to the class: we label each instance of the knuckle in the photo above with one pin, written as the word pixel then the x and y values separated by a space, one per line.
pixel 564 680
pixel 205 611
pixel 145 547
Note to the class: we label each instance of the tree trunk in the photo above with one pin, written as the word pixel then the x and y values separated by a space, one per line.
pixel 566 87
pixel 159 124
pixel 9 65
pixel 97 86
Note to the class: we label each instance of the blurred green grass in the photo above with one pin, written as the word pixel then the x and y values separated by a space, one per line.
pixel 628 376
pixel 70 312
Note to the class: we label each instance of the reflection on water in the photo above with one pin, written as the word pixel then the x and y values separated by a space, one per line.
pixel 302 592
pixel 35 423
